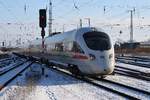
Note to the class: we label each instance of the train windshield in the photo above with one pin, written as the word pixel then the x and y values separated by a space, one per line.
pixel 97 41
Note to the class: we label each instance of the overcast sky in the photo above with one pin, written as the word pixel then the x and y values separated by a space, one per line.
pixel 19 18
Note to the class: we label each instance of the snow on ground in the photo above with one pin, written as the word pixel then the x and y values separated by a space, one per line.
pixel 4 59
pixel 11 65
pixel 124 59
pixel 140 62
pixel 143 69
pixel 133 61
pixel 53 87
pixel 1 52
pixel 6 62
pixel 130 82
pixel 4 78
pixel 135 55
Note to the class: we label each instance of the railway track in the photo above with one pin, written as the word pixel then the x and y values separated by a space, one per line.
pixel 132 73
pixel 13 73
pixel 134 59
pixel 122 85
pixel 93 81
pixel 6 70
pixel 96 82
pixel 137 57
pixel 139 61
pixel 135 63
pixel 90 81
pixel 6 62
pixel 5 59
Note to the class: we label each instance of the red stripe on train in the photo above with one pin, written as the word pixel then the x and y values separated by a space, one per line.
pixel 80 56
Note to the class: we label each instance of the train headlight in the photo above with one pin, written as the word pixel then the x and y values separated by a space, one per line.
pixel 110 56
pixel 92 57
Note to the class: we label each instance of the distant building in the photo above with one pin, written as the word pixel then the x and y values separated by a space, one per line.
pixel 145 45
pixel 136 48
pixel 128 45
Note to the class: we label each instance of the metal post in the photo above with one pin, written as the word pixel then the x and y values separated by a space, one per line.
pixel 131 27
pixel 43 34
pixel 80 23
pixel 43 70
pixel 50 17
pixel 63 28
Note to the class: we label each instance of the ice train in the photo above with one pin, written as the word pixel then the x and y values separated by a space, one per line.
pixel 87 50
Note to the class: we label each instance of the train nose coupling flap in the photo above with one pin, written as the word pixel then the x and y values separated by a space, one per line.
pixel 102 57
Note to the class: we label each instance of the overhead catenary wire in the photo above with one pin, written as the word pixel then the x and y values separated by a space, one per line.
pixel 8 10
pixel 79 6
pixel 77 10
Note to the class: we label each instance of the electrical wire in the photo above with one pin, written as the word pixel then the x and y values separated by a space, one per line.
pixel 8 9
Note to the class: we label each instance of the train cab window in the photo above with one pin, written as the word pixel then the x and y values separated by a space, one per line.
pixel 97 41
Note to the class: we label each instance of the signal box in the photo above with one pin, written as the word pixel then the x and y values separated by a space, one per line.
pixel 42 18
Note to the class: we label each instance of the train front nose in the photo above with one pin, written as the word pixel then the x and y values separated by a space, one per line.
pixel 103 63
pixel 108 69
pixel 108 63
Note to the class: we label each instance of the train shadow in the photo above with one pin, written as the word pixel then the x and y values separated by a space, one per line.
pixel 24 85
pixel 49 78
pixel 30 80
pixel 57 79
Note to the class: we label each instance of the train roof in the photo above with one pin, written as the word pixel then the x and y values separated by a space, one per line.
pixel 70 35
pixel 66 36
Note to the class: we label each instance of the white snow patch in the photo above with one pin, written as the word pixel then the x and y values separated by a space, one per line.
pixel 143 69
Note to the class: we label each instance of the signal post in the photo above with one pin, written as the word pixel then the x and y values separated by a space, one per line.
pixel 42 24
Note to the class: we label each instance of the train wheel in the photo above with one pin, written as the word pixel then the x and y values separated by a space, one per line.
pixel 103 76
pixel 74 70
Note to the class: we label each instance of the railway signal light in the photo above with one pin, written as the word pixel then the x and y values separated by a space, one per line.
pixel 42 18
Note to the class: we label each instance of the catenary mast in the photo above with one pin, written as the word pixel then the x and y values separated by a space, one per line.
pixel 50 18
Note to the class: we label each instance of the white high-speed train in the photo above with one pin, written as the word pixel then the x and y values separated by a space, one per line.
pixel 87 50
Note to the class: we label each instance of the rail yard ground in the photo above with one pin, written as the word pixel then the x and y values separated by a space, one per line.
pixel 53 85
